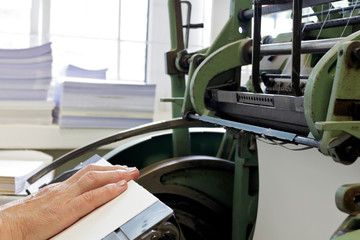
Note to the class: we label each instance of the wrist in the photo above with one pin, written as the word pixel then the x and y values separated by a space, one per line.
pixel 5 231
pixel 10 228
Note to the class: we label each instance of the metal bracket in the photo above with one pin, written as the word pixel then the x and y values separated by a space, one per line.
pixel 350 127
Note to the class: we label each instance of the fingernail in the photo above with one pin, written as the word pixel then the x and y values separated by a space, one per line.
pixel 121 183
pixel 130 169
pixel 121 166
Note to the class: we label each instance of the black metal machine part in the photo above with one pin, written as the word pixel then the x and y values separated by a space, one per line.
pixel 266 110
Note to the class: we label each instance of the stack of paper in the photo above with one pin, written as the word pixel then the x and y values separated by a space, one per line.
pixel 105 104
pixel 14 173
pixel 74 71
pixel 26 112
pixel 25 76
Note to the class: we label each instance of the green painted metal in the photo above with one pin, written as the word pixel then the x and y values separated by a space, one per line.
pixel 221 64
pixel 350 127
pixel 322 8
pixel 230 31
pixel 354 235
pixel 228 144
pixel 218 65
pixel 345 88
pixel 334 31
pixel 176 34
pixel 246 188
pixel 187 104
pixel 229 34
pixel 349 229
pixel 216 184
pixel 243 186
pixel 181 138
pixel 319 86
pixel 332 84
pixel 227 58
pixel 198 189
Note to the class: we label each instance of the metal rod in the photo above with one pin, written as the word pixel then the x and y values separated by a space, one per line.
pixel 256 49
pixel 312 46
pixel 269 75
pixel 274 8
pixel 307 141
pixel 188 17
pixel 296 48
pixel 273 2
pixel 176 30
pixel 194 25
pixel 180 137
pixel 331 23
pixel 261 131
pixel 336 10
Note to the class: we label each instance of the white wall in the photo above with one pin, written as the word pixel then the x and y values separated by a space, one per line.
pixel 297 193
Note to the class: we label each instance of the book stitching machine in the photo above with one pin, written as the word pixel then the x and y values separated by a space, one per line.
pixel 304 90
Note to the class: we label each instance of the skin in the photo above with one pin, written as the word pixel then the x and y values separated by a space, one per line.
pixel 57 206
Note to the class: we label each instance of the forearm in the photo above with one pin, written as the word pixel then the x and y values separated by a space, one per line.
pixel 4 231
pixel 7 227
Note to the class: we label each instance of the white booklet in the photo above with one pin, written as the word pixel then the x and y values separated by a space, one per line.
pixel 124 214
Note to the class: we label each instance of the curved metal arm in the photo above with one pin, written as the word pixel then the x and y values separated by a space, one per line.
pixel 148 128
pixel 230 56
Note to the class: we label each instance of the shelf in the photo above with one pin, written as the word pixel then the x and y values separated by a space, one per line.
pixel 22 136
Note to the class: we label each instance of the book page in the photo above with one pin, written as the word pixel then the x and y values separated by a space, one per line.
pixel 107 218
pixel 18 168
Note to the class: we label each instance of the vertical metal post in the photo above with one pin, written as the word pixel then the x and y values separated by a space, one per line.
pixel 256 47
pixel 296 47
pixel 180 137
pixel 246 189
pixel 227 146
pixel 188 22
pixel 176 32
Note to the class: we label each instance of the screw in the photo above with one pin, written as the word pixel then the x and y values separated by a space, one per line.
pixel 356 52
pixel 170 235
pixel 154 237
pixel 199 60
pixel 341 52
pixel 356 199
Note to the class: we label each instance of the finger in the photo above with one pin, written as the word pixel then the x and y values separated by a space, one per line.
pixel 96 179
pixel 88 201
pixel 93 167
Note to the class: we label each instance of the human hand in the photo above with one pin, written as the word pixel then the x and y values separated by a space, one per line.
pixel 57 206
